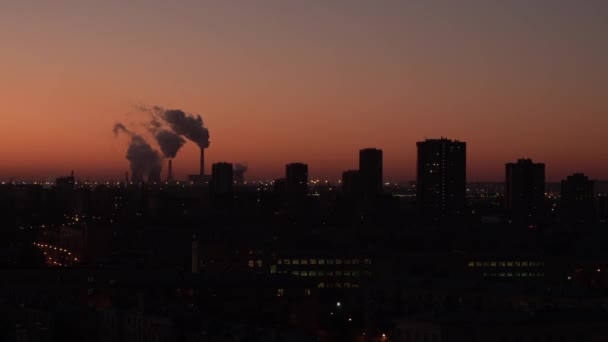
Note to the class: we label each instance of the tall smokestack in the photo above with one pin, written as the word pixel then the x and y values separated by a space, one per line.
pixel 170 176
pixel 202 162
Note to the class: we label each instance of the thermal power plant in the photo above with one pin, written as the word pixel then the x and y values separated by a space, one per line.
pixel 170 171
pixel 202 171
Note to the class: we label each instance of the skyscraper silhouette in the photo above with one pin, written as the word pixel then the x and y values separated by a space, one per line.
pixel 296 179
pixel 221 178
pixel 577 199
pixel 370 171
pixel 525 190
pixel 441 177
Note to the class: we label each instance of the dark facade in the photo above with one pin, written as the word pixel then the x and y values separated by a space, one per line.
pixel 350 183
pixel 296 179
pixel 577 199
pixel 525 190
pixel 221 178
pixel 441 177
pixel 370 171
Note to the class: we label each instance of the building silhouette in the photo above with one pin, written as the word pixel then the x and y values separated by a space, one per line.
pixel 577 199
pixel 350 183
pixel 370 171
pixel 296 179
pixel 221 179
pixel 441 177
pixel 525 190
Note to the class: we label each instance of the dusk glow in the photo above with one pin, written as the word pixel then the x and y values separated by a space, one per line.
pixel 315 81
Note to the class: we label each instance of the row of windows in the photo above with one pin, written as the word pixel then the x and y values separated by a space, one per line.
pixel 324 273
pixel 255 263
pixel 506 263
pixel 324 261
pixel 515 275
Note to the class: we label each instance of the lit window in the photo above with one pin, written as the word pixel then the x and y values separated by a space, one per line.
pixel 478 264
pixel 347 274
pixel 295 262
pixel 286 261
pixel 517 264
pixel 493 264
pixel 304 274
pixel 524 264
pixel 330 261
pixel 273 269
pixel 509 264
pixel 501 264
pixel 304 262
pixel 296 273
pixel 250 263
pixel 321 285
pixel 312 273
pixel 471 264
pixel 367 261
pixel 280 292
pixel 307 292
pixel 313 261
pixel 347 285
pixel 321 261
pixel 258 263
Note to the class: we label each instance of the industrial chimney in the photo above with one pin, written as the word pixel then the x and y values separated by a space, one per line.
pixel 170 175
pixel 202 163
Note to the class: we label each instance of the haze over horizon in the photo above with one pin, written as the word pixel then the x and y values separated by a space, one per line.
pixel 284 81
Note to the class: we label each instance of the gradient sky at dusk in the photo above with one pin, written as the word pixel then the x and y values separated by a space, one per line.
pixel 311 81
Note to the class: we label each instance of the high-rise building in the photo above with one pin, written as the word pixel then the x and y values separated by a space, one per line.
pixel 441 177
pixel 577 199
pixel 370 171
pixel 221 178
pixel 525 190
pixel 350 183
pixel 296 179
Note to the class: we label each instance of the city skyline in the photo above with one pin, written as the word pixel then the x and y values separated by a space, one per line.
pixel 319 82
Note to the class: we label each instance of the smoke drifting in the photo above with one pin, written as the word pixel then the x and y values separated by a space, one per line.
pixel 239 173
pixel 188 125
pixel 145 162
pixel 169 143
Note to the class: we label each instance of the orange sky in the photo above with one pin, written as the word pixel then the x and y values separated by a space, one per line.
pixel 311 81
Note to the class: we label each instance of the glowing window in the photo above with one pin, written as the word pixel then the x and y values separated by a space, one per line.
pixel 304 274
pixel 250 263
pixel 307 292
pixel 321 262
pixel 295 262
pixel 321 285
pixel 304 262
pixel 347 274
pixel 313 261
pixel 493 264
pixel 312 273
pixel 509 264
pixel 478 264
pixel 273 269
pixel 279 261
pixel 501 264
pixel 287 261
pixel 258 263
pixel 296 273
pixel 471 264
pixel 280 292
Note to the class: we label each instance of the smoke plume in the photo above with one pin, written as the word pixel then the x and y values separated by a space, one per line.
pixel 169 143
pixel 239 173
pixel 145 162
pixel 188 125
